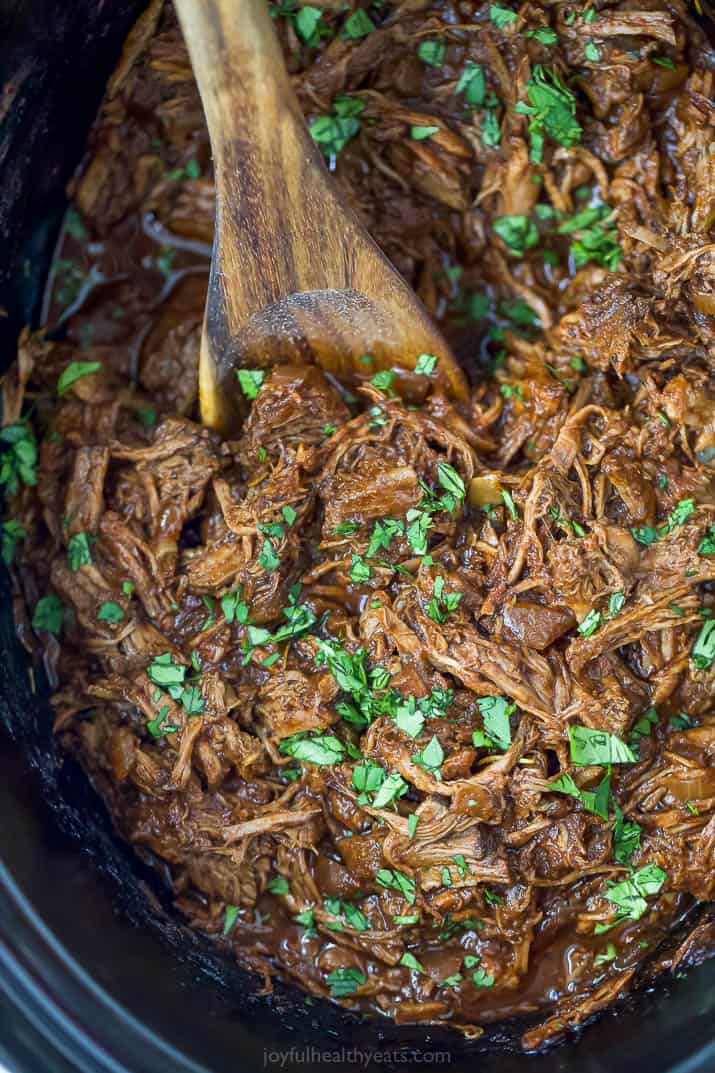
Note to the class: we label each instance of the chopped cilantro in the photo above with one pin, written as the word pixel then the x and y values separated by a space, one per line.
pixel 626 837
pixel 158 727
pixel 544 35
pixel 345 980
pixel 412 821
pixel 322 749
pixel 425 364
pixel 147 415
pixel 510 504
pixel 707 544
pixel 501 16
pixel 442 604
pixel 410 962
pixel 383 533
pixel 420 133
pixel 432 52
pixel 75 371
pixel 78 550
pixel 629 895
pixel 595 237
pixel 517 232
pixel 234 608
pixel 491 131
pixel 360 570
pixel 496 712
pixel 250 381
pixel 396 880
pixel 703 651
pixel 595 801
pixel 268 557
pixel 552 111
pixel 110 612
pixel 279 885
pixel 609 954
pixel 592 52
pixel 383 379
pixel 431 757
pixel 19 457
pixel 12 533
pixel 616 602
pixel 49 614
pixel 590 623
pixel 230 916
pixel 333 132
pixel 590 746
pixel 307 23
pixel 648 534
pixel 394 786
pixel 357 26
pixel 472 84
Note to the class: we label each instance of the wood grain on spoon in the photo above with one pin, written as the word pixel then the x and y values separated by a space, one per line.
pixel 294 275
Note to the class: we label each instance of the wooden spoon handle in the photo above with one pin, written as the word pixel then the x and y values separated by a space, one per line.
pixel 238 63
pixel 267 165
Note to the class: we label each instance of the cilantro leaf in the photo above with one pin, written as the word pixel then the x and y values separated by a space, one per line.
pixel 393 787
pixel 75 371
pixel 268 557
pixel 49 614
pixel 707 544
pixel 333 132
pixel 501 16
pixel 19 457
pixel 544 35
pixel 357 25
pixel 360 570
pixel 425 364
pixel 518 232
pixel 495 712
pixel 590 623
pixel 431 757
pixel 250 381
pixel 420 133
pixel 234 608
pixel 432 52
pixel 78 550
pixel 322 749
pixel 472 84
pixel 396 880
pixel 410 962
pixel 593 801
pixel 590 746
pixel 703 651
pixel 345 980
pixel 110 612
pixel 552 110
pixel 629 895
pixel 230 916
pixel 626 837
pixel 12 533
pixel 450 480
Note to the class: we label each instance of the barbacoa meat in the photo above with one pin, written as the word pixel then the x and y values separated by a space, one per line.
pixel 413 700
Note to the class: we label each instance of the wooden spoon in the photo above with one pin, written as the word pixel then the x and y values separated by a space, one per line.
pixel 294 275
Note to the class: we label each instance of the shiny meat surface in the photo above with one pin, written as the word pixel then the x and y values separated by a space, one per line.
pixel 415 702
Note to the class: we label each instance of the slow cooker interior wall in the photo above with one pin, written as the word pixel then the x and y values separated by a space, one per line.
pixel 66 874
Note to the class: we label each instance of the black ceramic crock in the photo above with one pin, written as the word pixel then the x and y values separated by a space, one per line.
pixel 96 972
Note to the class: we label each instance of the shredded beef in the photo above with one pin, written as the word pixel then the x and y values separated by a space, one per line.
pixel 414 699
